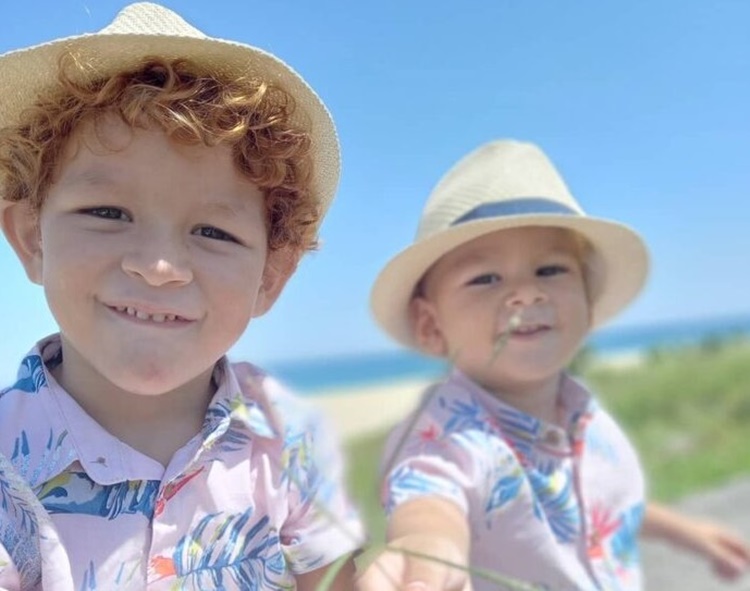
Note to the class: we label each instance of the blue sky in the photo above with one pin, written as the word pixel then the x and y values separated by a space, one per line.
pixel 644 107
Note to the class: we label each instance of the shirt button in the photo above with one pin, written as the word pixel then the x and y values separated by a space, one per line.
pixel 552 438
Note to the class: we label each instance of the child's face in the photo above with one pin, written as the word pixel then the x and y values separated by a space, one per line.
pixel 471 295
pixel 152 255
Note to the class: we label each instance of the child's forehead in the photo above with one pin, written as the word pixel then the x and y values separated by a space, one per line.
pixel 93 147
pixel 98 134
pixel 115 159
pixel 533 240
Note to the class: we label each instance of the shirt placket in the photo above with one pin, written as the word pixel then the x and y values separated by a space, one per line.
pixel 163 571
pixel 590 548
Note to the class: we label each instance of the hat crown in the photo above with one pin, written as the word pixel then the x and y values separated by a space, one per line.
pixel 146 18
pixel 502 185
pixel 145 29
pixel 503 171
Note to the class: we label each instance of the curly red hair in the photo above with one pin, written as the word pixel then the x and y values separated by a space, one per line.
pixel 251 116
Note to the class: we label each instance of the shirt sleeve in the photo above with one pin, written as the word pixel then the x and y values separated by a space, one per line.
pixel 433 453
pixel 323 524
pixel 31 555
pixel 20 558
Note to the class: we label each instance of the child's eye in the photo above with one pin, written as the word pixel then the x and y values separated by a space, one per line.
pixel 551 270
pixel 485 279
pixel 107 213
pixel 214 233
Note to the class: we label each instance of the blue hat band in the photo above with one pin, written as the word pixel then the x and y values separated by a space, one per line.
pixel 533 205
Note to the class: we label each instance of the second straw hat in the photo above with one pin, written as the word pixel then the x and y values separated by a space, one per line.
pixel 507 184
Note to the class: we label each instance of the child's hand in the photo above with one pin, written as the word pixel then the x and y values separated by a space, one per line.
pixel 727 552
pixel 398 568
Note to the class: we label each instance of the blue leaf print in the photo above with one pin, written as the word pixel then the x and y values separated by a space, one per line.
pixel 466 415
pixel 625 539
pixel 234 440
pixel 89 579
pixel 225 549
pixel 19 528
pixel 21 452
pixel 30 377
pixel 13 503
pixel 557 497
pixel 24 552
pixel 90 498
pixel 218 425
pixel 406 483
pixel 299 465
pixel 504 490
pixel 45 463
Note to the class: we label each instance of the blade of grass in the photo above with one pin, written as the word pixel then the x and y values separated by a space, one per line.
pixel 332 572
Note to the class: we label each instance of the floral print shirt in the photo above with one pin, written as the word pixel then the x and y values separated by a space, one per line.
pixel 557 509
pixel 254 499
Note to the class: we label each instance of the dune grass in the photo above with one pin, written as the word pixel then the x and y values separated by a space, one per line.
pixel 686 410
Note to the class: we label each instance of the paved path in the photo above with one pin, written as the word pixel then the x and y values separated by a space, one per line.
pixel 667 569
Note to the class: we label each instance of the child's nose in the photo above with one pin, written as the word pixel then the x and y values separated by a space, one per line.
pixel 159 261
pixel 525 294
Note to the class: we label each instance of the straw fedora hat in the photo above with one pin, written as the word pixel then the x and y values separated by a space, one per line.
pixel 507 184
pixel 145 29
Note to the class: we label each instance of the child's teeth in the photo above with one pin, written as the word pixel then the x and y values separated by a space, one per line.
pixel 158 317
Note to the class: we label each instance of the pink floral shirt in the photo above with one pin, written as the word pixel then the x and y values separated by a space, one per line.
pixel 251 501
pixel 555 508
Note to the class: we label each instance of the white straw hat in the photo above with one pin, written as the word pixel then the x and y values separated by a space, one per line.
pixel 145 29
pixel 507 184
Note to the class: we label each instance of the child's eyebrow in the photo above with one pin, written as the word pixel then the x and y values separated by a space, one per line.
pixel 222 209
pixel 468 259
pixel 93 177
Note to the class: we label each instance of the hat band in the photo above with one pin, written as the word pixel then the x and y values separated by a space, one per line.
pixel 532 205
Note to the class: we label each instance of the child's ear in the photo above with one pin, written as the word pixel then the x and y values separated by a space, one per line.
pixel 427 331
pixel 280 265
pixel 21 227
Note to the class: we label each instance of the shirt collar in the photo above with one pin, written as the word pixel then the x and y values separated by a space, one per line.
pixel 51 431
pixel 240 398
pixel 575 400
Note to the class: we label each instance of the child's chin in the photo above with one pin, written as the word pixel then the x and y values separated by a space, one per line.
pixel 149 383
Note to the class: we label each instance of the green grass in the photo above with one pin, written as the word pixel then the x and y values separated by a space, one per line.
pixel 687 411
pixel 363 462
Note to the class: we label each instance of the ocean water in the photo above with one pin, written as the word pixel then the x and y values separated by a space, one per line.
pixel 312 375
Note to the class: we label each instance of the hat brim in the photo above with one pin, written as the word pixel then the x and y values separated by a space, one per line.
pixel 621 265
pixel 27 72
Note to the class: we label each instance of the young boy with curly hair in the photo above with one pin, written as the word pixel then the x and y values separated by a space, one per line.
pixel 161 186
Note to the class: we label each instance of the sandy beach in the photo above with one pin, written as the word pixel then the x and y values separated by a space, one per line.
pixel 362 410
pixel 365 409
